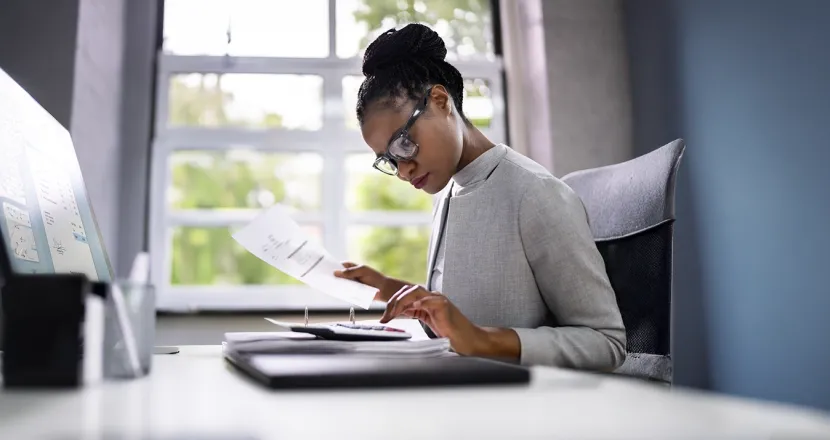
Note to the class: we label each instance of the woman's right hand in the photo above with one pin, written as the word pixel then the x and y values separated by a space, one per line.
pixel 366 275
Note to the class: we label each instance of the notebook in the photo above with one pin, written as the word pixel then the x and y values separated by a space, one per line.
pixel 287 359
pixel 332 372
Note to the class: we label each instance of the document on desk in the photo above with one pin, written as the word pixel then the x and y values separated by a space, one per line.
pixel 274 237
pixel 300 343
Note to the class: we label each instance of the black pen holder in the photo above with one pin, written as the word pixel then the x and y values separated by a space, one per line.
pixel 53 330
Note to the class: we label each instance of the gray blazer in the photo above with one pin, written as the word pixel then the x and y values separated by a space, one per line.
pixel 519 254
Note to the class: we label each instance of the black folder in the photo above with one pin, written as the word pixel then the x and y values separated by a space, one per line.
pixel 288 371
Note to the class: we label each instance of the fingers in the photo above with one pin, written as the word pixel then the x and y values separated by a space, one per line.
pixel 401 301
pixel 352 271
pixel 416 313
pixel 435 305
pixel 389 314
pixel 364 275
pixel 346 266
pixel 434 311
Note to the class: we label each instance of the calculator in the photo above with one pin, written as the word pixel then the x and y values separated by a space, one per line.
pixel 353 332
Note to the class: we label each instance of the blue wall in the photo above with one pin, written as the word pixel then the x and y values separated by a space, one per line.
pixel 747 84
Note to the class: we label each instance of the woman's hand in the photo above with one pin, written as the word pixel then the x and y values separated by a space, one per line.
pixel 442 317
pixel 366 275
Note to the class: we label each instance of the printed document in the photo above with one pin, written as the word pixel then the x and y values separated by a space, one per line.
pixel 277 239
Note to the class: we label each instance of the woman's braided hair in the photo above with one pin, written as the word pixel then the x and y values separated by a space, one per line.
pixel 403 63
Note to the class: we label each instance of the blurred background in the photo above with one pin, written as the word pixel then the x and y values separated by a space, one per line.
pixel 190 116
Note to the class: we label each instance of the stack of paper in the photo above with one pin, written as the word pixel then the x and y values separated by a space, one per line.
pixel 288 342
pixel 281 343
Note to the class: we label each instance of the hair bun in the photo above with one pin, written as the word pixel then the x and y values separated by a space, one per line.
pixel 396 47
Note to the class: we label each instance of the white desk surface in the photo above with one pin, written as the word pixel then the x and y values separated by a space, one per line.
pixel 196 393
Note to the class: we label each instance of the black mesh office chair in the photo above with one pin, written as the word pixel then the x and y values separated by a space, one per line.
pixel 630 208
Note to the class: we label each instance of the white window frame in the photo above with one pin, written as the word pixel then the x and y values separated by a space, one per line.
pixel 333 215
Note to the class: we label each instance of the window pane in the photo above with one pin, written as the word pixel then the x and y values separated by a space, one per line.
pixel 351 84
pixel 284 28
pixel 478 104
pixel 247 100
pixel 370 190
pixel 465 25
pixel 244 179
pixel 399 252
pixel 205 256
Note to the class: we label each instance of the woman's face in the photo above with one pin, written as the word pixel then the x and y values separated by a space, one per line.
pixel 437 132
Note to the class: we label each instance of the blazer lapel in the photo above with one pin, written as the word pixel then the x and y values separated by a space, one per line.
pixel 438 222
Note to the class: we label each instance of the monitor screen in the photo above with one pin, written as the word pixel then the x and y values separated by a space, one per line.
pixel 47 223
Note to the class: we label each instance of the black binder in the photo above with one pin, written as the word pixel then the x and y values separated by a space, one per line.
pixel 285 371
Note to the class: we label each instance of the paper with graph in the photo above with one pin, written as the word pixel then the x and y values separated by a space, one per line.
pixel 277 239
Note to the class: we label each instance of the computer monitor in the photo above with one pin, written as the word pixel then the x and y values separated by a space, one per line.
pixel 47 225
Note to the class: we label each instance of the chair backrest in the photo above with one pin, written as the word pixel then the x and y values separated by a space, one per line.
pixel 630 208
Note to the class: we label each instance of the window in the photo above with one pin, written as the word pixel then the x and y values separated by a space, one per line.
pixel 255 106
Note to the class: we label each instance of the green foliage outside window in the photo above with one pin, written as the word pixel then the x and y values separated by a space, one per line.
pixel 400 251
pixel 468 21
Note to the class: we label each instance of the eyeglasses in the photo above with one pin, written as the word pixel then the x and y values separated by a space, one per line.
pixel 401 147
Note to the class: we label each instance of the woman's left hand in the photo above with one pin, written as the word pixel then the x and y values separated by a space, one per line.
pixel 440 314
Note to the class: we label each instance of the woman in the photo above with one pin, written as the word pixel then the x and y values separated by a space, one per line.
pixel 514 272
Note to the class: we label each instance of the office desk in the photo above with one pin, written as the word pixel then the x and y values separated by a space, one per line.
pixel 196 392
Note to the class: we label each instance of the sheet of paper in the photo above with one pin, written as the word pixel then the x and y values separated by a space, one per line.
pixel 279 342
pixel 277 239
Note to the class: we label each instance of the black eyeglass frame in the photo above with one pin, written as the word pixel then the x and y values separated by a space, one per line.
pixel 403 132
